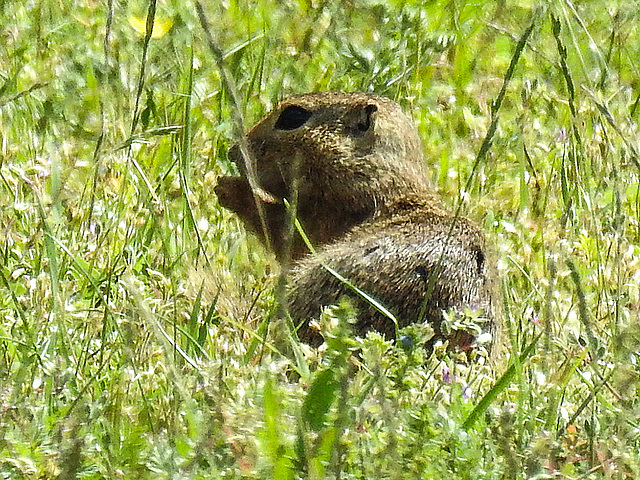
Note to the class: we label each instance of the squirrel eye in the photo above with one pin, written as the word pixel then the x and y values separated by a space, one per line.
pixel 292 117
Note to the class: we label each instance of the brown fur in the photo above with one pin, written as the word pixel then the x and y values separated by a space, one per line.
pixel 364 198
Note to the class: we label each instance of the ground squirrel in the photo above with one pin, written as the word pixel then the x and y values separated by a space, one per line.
pixel 365 200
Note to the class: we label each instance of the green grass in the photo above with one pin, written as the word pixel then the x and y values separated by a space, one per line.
pixel 137 319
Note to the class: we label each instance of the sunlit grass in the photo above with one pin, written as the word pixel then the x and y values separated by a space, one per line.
pixel 138 335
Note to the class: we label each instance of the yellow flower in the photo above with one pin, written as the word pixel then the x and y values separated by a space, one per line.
pixel 160 26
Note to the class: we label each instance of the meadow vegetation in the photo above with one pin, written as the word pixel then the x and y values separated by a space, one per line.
pixel 138 320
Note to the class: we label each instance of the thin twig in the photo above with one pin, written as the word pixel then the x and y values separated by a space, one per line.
pixel 497 104
pixel 259 194
pixel 151 15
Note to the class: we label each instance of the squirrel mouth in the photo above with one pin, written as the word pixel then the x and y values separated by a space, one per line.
pixel 229 183
pixel 231 188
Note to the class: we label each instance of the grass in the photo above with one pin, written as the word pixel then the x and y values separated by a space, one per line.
pixel 137 337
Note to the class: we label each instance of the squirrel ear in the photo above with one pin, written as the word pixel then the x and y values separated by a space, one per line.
pixel 366 119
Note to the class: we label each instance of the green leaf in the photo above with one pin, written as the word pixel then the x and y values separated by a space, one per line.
pixel 321 396
pixel 282 464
